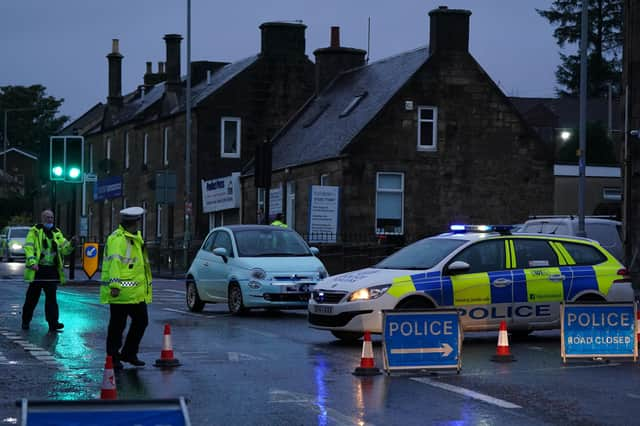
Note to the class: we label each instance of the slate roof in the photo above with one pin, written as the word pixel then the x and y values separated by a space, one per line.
pixel 134 105
pixel 321 129
pixel 87 122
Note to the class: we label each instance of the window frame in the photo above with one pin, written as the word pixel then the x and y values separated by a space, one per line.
pixel 434 128
pixel 165 146
pixel 223 153
pixel 381 231
pixel 126 151
pixel 145 150
pixel 158 220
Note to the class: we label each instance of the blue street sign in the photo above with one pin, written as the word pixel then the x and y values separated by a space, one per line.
pixel 91 251
pixel 421 340
pixel 598 330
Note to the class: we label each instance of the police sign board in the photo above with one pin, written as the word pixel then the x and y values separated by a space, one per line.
pixel 598 330
pixel 421 339
pixel 90 258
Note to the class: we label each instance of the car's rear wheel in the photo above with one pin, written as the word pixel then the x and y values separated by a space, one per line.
pixel 235 302
pixel 194 303
pixel 347 336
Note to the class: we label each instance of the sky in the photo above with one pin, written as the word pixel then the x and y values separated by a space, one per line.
pixel 63 44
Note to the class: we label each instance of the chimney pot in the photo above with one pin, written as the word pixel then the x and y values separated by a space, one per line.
pixel 149 70
pixel 115 45
pixel 161 67
pixel 335 36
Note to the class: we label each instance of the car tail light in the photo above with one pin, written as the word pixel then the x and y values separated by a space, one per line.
pixel 624 274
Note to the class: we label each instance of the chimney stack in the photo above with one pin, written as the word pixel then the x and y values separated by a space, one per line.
pixel 283 39
pixel 115 75
pixel 173 61
pixel 448 30
pixel 332 60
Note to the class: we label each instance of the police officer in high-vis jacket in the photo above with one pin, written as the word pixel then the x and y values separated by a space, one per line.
pixel 44 249
pixel 126 287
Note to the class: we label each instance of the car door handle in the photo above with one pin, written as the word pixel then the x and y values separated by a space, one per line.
pixel 556 277
pixel 205 263
pixel 501 282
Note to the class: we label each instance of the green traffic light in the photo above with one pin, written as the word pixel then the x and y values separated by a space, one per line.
pixel 74 172
pixel 57 171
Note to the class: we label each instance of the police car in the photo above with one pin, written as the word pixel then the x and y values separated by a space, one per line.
pixel 486 272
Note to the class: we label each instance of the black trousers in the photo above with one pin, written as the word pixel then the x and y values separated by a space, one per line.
pixel 51 312
pixel 117 324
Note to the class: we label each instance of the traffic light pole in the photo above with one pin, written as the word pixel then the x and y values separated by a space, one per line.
pixel 72 256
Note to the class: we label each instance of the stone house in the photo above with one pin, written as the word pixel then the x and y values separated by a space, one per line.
pixel 137 149
pixel 413 143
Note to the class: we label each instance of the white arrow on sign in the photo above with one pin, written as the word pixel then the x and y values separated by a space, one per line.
pixel 445 350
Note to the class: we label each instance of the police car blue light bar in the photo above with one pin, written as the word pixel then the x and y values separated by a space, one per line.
pixel 480 228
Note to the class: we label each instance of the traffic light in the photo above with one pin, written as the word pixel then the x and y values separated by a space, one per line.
pixel 56 157
pixel 74 159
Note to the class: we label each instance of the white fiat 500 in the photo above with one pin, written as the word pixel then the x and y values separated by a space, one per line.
pixel 485 272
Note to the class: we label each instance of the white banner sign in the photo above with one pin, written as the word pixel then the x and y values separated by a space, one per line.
pixel 221 193
pixel 275 202
pixel 323 214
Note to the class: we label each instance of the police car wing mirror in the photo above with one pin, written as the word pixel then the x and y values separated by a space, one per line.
pixel 222 252
pixel 458 266
pixel 314 251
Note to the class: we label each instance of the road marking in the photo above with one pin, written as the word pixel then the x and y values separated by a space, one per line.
pixel 633 395
pixel 324 414
pixel 181 292
pixel 467 392
pixel 239 356
pixel 250 330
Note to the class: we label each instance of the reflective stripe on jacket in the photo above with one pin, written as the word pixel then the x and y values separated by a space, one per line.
pixel 125 266
pixel 36 253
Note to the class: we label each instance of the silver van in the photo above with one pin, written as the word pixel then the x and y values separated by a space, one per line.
pixel 605 230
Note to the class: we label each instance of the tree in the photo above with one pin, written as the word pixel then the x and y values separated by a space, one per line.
pixel 604 47
pixel 600 149
pixel 33 118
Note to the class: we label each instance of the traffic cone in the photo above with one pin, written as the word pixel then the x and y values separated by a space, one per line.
pixel 108 390
pixel 638 326
pixel 166 355
pixel 503 354
pixel 367 362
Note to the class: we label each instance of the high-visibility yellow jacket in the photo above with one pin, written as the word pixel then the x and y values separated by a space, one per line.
pixel 279 223
pixel 38 249
pixel 125 266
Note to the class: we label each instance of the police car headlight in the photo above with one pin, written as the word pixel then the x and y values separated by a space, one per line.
pixel 258 274
pixel 368 293
pixel 16 246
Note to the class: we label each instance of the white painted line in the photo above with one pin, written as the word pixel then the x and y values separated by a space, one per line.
pixel 40 353
pixel 633 395
pixel 467 392
pixel 308 402
pixel 239 356
pixel 45 358
pixel 182 292
pixel 182 312
pixel 202 315
pixel 261 333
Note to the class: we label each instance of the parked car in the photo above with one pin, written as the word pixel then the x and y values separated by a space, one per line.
pixel 606 231
pixel 487 273
pixel 253 266
pixel 12 240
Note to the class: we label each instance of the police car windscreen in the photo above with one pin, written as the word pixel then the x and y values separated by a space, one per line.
pixel 423 254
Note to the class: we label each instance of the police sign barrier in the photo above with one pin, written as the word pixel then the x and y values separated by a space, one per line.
pixel 153 412
pixel 421 340
pixel 90 258
pixel 598 330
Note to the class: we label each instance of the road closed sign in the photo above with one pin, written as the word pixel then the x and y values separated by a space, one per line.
pixel 90 259
pixel 421 340
pixel 598 330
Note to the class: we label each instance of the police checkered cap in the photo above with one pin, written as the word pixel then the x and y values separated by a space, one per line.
pixel 131 213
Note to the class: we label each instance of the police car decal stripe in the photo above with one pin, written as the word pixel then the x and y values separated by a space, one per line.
pixel 584 278
pixel 447 291
pixel 508 255
pixel 401 285
pixel 471 289
pixel 557 248
pixel 499 293
pixel 519 286
pixel 540 288
pixel 512 253
pixel 567 273
pixel 429 284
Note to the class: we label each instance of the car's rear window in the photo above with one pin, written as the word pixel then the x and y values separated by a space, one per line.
pixel 584 254
pixel 423 254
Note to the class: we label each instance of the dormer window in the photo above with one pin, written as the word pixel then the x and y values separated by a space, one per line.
pixel 427 128
pixel 353 104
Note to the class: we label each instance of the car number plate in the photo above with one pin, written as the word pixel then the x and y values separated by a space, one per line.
pixel 323 309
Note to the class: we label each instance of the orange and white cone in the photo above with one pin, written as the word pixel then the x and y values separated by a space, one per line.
pixel 503 354
pixel 367 361
pixel 108 390
pixel 638 326
pixel 166 355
